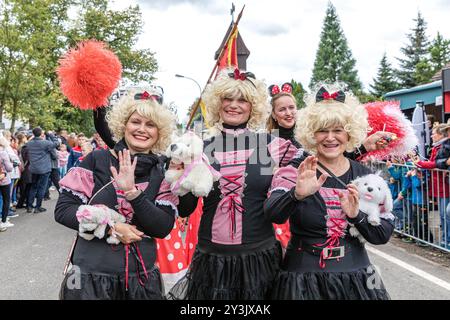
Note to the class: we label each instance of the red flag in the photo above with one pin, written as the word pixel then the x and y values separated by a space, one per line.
pixel 229 56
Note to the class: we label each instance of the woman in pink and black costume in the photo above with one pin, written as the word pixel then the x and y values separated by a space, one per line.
pixel 282 122
pixel 128 180
pixel 237 256
pixel 284 112
pixel 322 260
pixel 284 116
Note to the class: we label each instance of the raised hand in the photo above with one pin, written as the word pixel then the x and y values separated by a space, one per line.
pixel 307 182
pixel 350 203
pixel 125 177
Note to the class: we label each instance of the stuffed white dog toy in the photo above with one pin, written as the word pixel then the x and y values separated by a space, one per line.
pixel 375 200
pixel 95 218
pixel 197 176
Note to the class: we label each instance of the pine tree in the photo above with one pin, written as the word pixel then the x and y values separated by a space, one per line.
pixel 299 93
pixel 415 52
pixel 334 61
pixel 385 80
pixel 424 72
pixel 440 53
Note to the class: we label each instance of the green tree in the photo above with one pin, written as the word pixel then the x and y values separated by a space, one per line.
pixel 34 35
pixel 424 72
pixel 334 61
pixel 367 97
pixel 21 41
pixel 385 80
pixel 439 52
pixel 299 93
pixel 33 38
pixel 120 30
pixel 415 52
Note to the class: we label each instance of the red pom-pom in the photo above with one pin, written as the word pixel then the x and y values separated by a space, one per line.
pixel 387 116
pixel 89 74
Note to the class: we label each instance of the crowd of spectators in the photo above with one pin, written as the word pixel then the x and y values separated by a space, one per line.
pixel 419 186
pixel 31 164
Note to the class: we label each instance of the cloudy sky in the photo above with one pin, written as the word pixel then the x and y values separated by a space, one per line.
pixel 282 36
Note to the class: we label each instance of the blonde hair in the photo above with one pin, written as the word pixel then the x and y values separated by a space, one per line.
pixel 252 90
pixel 350 114
pixel 440 128
pixel 163 119
pixel 4 142
pixel 7 134
pixel 271 124
pixel 87 146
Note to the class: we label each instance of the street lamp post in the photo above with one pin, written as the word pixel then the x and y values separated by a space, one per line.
pixel 200 94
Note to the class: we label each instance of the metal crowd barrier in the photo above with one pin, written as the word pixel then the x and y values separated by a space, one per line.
pixel 424 211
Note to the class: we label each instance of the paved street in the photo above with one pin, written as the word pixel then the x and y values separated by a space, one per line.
pixel 415 279
pixel 33 253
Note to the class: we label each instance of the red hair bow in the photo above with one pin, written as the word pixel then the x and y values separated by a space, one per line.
pixel 323 94
pixel 237 75
pixel 145 95
pixel 327 96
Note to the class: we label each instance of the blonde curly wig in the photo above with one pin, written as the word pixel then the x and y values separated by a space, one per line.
pixel 118 115
pixel 351 115
pixel 252 90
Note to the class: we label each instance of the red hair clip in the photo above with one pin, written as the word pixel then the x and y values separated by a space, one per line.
pixel 147 96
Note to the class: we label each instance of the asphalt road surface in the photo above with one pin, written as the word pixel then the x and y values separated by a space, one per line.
pixel 33 253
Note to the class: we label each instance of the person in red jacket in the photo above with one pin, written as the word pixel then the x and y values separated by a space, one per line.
pixel 439 186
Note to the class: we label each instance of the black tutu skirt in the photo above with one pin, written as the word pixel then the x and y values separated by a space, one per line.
pixel 351 277
pixel 245 275
pixel 97 286
pixel 354 285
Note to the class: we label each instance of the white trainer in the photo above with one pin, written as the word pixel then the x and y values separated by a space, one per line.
pixel 8 224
